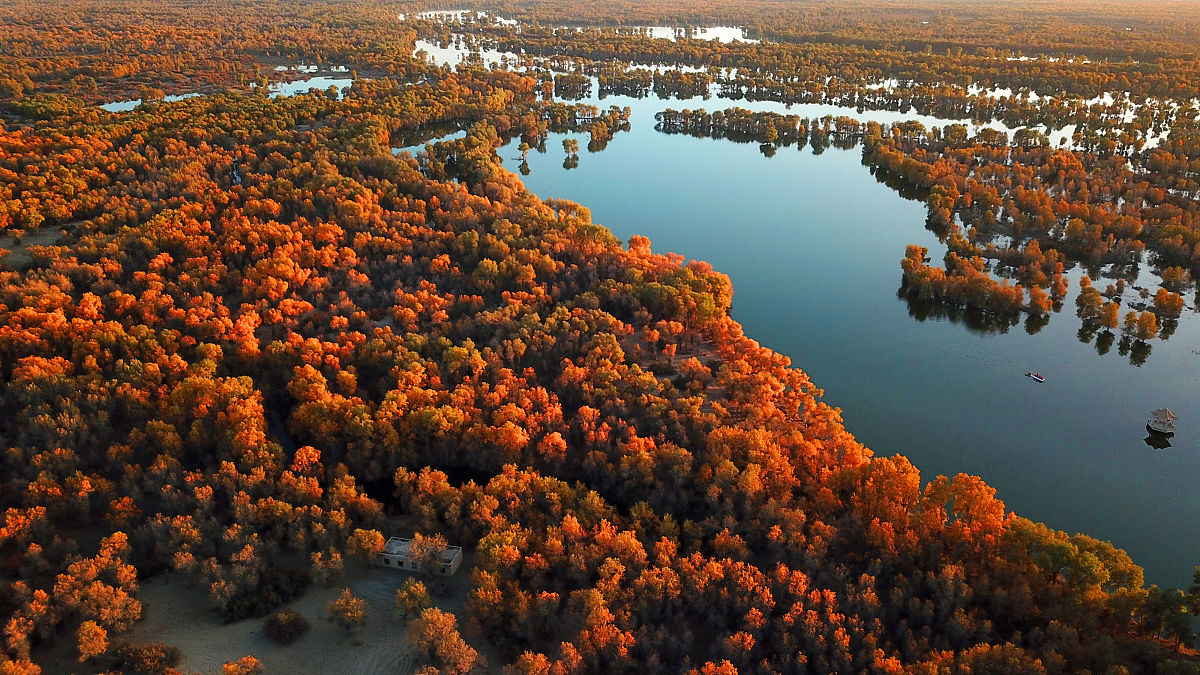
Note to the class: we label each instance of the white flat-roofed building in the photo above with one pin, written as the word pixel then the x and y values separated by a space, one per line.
pixel 1162 421
pixel 398 554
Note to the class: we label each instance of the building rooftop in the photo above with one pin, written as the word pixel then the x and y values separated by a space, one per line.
pixel 397 546
pixel 401 546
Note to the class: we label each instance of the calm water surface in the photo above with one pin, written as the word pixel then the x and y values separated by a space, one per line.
pixel 277 89
pixel 813 245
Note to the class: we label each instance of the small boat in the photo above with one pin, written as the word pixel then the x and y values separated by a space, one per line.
pixel 1162 421
pixel 1037 377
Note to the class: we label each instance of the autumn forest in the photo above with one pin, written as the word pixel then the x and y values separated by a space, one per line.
pixel 250 329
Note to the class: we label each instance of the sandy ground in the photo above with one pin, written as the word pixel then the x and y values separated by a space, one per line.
pixel 179 615
pixel 20 254
pixel 176 613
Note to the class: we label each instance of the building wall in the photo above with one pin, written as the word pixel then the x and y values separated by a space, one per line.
pixel 404 563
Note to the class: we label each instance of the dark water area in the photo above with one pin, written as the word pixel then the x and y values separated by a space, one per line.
pixel 813 245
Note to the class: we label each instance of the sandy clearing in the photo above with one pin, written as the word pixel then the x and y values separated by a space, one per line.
pixel 19 254
pixel 178 613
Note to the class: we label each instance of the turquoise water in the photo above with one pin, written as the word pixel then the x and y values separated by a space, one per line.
pixel 813 244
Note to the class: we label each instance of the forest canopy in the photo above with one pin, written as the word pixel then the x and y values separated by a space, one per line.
pixel 238 333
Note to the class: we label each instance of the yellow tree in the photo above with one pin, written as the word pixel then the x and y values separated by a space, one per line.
pixel 412 597
pixel 348 611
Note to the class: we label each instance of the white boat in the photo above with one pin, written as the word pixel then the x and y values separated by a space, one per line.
pixel 1162 421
